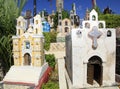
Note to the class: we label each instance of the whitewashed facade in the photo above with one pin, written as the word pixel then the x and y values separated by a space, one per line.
pixel 90 54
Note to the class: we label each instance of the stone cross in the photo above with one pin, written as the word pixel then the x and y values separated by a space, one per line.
pixel 94 34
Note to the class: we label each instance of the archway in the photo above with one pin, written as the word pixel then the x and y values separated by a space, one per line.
pixel 27 59
pixel 94 70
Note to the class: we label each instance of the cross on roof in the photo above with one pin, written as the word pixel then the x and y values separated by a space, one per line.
pixel 94 34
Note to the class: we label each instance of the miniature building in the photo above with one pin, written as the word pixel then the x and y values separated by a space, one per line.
pixel 67 24
pixel 28 43
pixel 30 70
pixel 90 55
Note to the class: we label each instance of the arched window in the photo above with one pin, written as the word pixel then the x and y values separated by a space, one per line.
pixel 93 17
pixel 109 33
pixel 18 31
pixel 71 17
pixel 66 29
pixel 101 25
pixel 36 31
pixel 60 23
pixel 60 17
pixel 66 23
pixel 19 23
pixel 71 23
pixel 27 45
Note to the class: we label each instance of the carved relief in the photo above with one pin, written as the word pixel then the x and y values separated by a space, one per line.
pixel 94 35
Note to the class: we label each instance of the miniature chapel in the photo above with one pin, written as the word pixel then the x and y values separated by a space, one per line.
pixel 28 43
pixel 90 54
pixel 29 69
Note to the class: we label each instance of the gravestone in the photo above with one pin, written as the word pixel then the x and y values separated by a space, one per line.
pixel 90 54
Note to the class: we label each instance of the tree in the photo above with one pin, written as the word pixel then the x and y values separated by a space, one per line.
pixel 50 58
pixel 9 11
pixel 50 37
pixel 55 20
pixel 112 20
pixel 6 52
pixel 65 14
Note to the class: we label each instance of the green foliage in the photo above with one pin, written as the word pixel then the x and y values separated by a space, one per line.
pixel 6 52
pixel 9 11
pixel 98 10
pixel 55 20
pixel 53 81
pixel 47 41
pixel 65 14
pixel 53 36
pixel 50 37
pixel 112 20
pixel 50 58
pixel 51 85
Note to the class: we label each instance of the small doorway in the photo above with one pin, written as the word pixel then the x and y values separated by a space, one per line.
pixel 94 70
pixel 27 59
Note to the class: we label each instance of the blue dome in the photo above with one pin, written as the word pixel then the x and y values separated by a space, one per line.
pixel 46 26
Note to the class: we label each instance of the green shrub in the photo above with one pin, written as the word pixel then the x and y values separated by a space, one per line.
pixel 50 37
pixel 50 58
pixel 50 85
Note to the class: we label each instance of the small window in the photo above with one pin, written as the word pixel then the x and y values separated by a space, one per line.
pixel 27 45
pixel 71 17
pixel 66 29
pixel 71 23
pixel 60 23
pixel 19 23
pixel 36 21
pixel 87 25
pixel 60 17
pixel 66 23
pixel 36 31
pixel 18 31
pixel 109 33
pixel 101 25
pixel 93 18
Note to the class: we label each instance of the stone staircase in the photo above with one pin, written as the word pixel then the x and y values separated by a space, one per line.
pixel 58 49
pixel 57 46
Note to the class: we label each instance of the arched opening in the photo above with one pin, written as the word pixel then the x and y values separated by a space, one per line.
pixel 101 25
pixel 109 33
pixel 19 23
pixel 87 25
pixel 94 70
pixel 18 31
pixel 66 29
pixel 93 17
pixel 36 31
pixel 66 23
pixel 27 59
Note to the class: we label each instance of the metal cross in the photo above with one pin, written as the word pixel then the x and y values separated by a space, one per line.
pixel 94 34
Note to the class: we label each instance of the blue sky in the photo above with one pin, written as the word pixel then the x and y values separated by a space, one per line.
pixel 81 5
